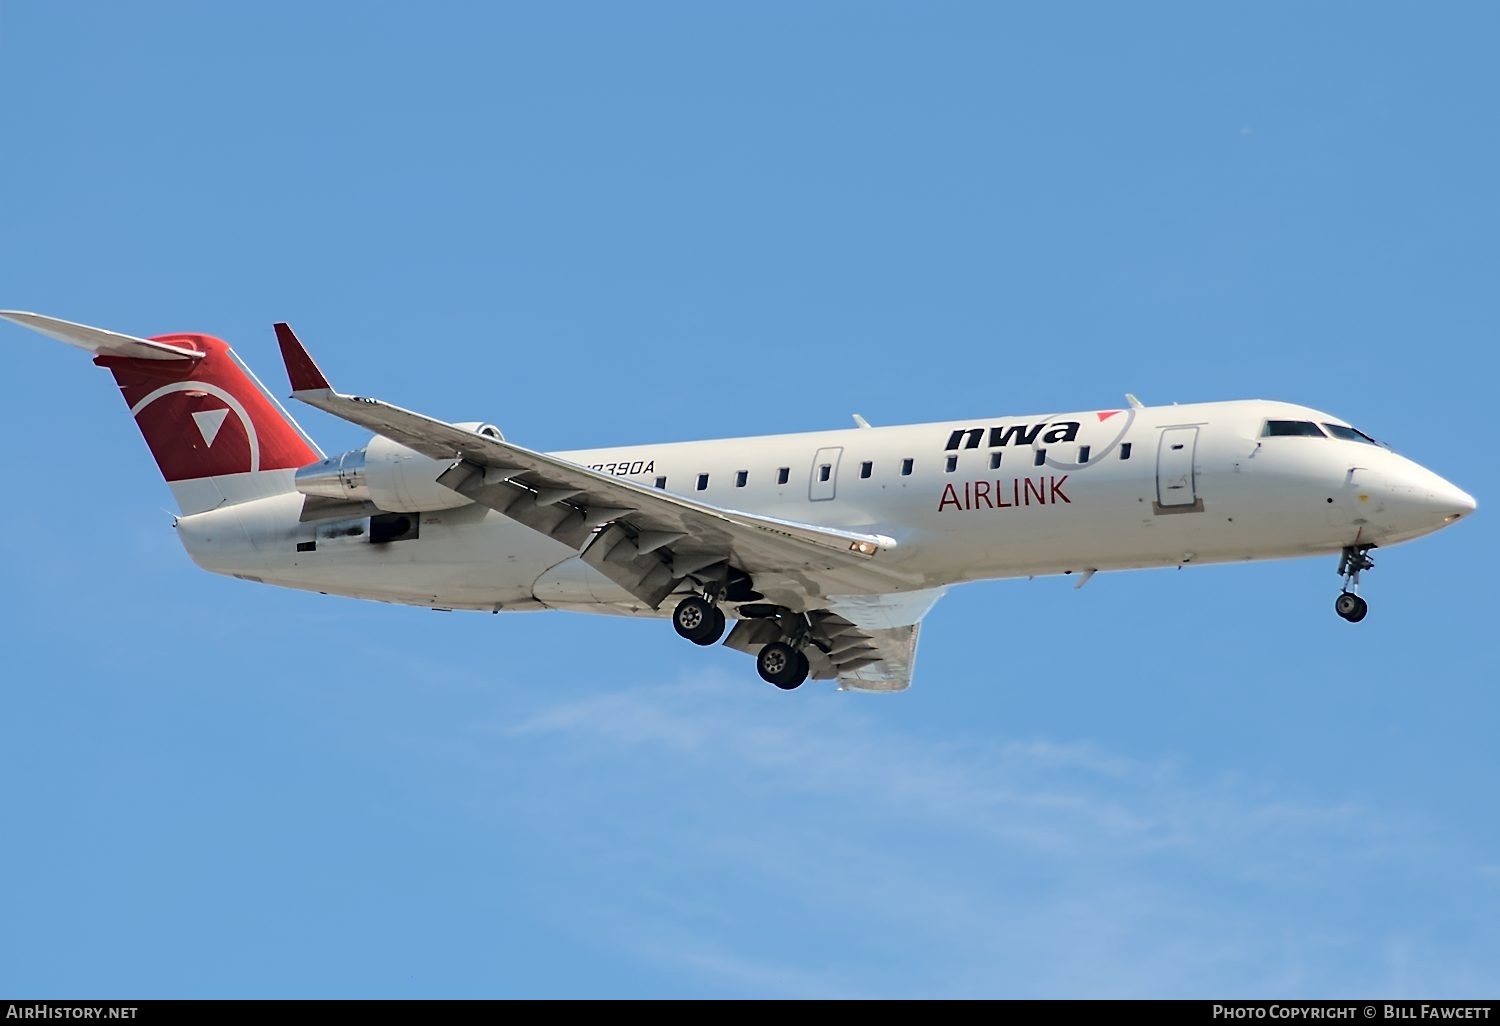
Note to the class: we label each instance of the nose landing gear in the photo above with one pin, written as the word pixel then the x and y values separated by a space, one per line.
pixel 1355 560
pixel 1351 607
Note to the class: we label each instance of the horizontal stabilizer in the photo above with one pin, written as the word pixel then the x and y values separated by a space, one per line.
pixel 98 341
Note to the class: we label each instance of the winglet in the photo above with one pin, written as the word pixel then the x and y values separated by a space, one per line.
pixel 1134 401
pixel 304 374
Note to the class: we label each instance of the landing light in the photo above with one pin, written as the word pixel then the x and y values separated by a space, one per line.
pixel 1451 517
pixel 864 548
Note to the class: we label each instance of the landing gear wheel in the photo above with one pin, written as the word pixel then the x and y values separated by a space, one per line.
pixel 698 620
pixel 1351 607
pixel 712 638
pixel 1354 561
pixel 782 665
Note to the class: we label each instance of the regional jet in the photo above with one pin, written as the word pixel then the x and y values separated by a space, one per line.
pixel 825 549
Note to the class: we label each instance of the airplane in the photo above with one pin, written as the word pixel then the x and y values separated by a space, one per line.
pixel 826 548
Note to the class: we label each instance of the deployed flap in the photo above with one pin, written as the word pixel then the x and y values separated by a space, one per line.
pixel 874 638
pixel 886 664
pixel 99 341
pixel 893 609
pixel 569 502
pixel 868 642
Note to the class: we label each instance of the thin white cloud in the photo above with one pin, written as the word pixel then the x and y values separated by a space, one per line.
pixel 898 864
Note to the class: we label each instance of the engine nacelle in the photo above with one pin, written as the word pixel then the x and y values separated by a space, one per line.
pixel 390 475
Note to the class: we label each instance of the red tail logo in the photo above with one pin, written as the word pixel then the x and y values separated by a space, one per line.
pixel 208 417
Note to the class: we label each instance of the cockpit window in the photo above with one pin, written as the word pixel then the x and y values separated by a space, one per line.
pixel 1304 428
pixel 1349 434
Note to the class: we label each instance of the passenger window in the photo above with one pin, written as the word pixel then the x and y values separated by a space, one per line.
pixel 1124 450
pixel 783 474
pixel 995 459
pixel 825 472
pixel 952 464
pixel 1041 457
pixel 1349 434
pixel 661 482
pixel 864 468
pixel 906 466
pixel 702 482
pixel 740 478
pixel 1083 454
pixel 1291 429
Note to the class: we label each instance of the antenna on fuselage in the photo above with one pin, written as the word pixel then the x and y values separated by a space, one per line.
pixel 1133 401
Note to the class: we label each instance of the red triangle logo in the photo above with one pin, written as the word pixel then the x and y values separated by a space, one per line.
pixel 1107 414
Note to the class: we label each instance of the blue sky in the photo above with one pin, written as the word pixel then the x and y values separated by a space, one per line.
pixel 616 223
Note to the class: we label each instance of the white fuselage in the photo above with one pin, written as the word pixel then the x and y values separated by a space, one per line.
pixel 980 499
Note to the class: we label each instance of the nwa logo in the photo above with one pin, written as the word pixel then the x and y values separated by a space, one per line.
pixel 1048 432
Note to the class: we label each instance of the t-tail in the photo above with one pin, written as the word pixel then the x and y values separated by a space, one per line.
pixel 218 436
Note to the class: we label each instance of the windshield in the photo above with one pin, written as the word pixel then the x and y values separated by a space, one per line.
pixel 1307 429
pixel 1291 428
pixel 1350 434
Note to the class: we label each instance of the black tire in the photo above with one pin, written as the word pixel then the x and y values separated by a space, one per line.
pixel 780 664
pixel 698 620
pixel 803 669
pixel 1351 607
pixel 714 631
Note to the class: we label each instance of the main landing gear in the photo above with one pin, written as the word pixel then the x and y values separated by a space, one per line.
pixel 782 665
pixel 1355 560
pixel 699 620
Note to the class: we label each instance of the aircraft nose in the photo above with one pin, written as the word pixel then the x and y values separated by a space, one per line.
pixel 1433 498
pixel 1461 501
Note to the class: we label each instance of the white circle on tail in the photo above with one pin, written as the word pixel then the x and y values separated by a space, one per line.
pixel 219 393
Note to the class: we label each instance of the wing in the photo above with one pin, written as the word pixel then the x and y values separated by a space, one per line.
pixel 868 642
pixel 646 540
